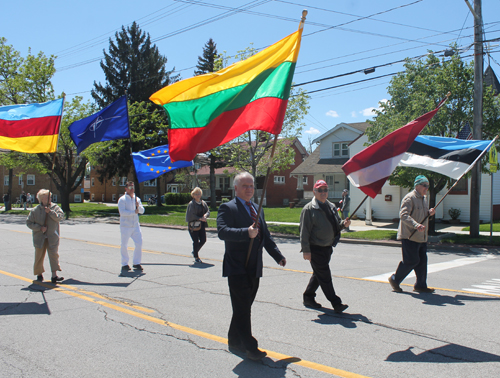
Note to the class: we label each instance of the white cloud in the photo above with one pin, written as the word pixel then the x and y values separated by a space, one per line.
pixel 332 113
pixel 353 114
pixel 370 112
pixel 312 131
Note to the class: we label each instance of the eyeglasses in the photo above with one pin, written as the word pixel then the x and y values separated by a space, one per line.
pixel 322 190
pixel 130 188
pixel 425 185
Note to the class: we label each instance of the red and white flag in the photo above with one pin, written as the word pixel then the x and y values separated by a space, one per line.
pixel 369 169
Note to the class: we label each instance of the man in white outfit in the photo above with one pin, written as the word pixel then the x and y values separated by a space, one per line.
pixel 129 206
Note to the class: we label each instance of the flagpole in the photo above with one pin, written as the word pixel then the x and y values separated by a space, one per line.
pixel 357 208
pixel 262 196
pixel 456 182
pixel 130 145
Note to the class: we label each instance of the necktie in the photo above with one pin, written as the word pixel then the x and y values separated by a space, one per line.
pixel 253 214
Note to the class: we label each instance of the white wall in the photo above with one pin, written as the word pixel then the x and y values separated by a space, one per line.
pixel 341 134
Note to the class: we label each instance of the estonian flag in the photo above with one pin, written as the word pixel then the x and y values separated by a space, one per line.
pixel 448 156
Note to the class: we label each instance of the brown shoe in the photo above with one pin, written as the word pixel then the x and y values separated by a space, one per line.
pixel 395 285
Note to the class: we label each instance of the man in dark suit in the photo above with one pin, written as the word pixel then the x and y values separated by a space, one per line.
pixel 236 226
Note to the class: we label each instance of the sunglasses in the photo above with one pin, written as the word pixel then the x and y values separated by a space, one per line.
pixel 425 185
pixel 322 190
pixel 130 187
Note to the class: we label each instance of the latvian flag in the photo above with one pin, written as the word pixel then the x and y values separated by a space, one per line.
pixel 369 169
pixel 448 156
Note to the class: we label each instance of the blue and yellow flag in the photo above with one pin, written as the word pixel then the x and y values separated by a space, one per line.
pixel 152 163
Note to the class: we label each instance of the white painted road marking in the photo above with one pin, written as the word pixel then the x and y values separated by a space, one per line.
pixel 432 268
pixel 489 287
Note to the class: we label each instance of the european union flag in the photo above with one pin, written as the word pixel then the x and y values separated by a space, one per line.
pixel 108 124
pixel 149 164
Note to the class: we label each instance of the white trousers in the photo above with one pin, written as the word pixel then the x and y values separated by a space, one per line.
pixel 136 235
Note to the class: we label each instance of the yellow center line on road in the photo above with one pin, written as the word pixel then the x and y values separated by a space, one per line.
pixel 277 268
pixel 191 331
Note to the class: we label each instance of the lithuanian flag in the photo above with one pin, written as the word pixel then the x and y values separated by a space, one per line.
pixel 31 128
pixel 209 110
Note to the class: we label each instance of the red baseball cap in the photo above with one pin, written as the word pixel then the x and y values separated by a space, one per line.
pixel 320 183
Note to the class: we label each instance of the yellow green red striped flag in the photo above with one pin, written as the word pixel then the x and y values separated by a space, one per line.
pixel 209 110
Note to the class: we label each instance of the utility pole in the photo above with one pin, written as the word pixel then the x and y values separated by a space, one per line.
pixel 475 187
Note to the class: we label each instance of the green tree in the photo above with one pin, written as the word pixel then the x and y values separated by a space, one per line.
pixel 23 80
pixel 418 90
pixel 206 63
pixel 133 66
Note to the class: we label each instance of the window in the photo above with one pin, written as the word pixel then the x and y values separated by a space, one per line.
pixel 21 180
pixel 102 198
pixel 92 181
pixel 6 180
pixel 461 188
pixel 123 181
pixel 30 180
pixel 174 189
pixel 54 198
pixel 150 182
pixel 78 198
pixel 92 197
pixel 113 197
pixel 279 179
pixel 304 180
pixel 340 150
pixel 113 181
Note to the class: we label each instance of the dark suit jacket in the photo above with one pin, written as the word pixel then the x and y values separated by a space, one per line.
pixel 233 221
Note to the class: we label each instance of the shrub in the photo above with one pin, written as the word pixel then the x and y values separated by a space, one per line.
pixel 454 213
pixel 177 198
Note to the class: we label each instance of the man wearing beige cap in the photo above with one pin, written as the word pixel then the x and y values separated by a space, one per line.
pixel 320 227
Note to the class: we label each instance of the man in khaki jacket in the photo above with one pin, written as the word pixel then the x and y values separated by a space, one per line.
pixel 44 220
pixel 412 231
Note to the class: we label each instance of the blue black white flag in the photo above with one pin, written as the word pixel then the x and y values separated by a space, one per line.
pixel 108 124
pixel 448 156
pixel 152 163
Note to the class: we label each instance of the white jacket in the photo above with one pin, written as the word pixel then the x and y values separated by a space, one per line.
pixel 126 207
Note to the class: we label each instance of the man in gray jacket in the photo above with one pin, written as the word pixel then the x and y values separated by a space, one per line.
pixel 320 227
pixel 412 232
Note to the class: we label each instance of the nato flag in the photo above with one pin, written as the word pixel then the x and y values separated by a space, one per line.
pixel 152 163
pixel 108 124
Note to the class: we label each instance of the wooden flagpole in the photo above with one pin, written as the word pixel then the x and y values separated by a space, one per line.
pixel 460 178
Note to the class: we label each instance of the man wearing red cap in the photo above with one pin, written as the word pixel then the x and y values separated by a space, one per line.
pixel 320 227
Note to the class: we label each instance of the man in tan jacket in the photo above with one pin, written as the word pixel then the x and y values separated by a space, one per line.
pixel 44 220
pixel 413 230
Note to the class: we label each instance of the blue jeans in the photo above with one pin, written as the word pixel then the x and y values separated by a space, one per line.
pixel 414 258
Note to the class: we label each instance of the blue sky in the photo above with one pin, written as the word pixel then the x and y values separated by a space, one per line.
pixel 339 37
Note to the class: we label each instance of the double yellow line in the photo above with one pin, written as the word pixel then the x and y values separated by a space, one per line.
pixel 133 310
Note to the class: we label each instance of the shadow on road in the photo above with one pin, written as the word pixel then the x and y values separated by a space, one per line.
pixel 450 353
pixel 345 320
pixel 265 368
pixel 443 300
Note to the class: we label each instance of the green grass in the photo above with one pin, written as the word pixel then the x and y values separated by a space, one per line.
pixel 486 227
pixel 466 239
pixel 371 235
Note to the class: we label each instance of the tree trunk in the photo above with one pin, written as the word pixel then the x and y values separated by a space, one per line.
pixel 64 192
pixel 213 202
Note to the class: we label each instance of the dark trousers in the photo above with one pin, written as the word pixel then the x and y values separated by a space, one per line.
pixel 199 238
pixel 322 276
pixel 242 289
pixel 414 258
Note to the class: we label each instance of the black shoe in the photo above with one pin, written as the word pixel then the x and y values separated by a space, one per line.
pixel 198 260
pixel 311 303
pixel 395 285
pixel 256 355
pixel 138 267
pixel 125 268
pixel 340 308
pixel 423 289
pixel 39 278
pixel 235 348
pixel 56 279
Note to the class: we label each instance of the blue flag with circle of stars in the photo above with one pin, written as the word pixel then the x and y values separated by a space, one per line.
pixel 149 164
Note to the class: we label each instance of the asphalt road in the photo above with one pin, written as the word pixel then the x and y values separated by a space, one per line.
pixel 172 320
